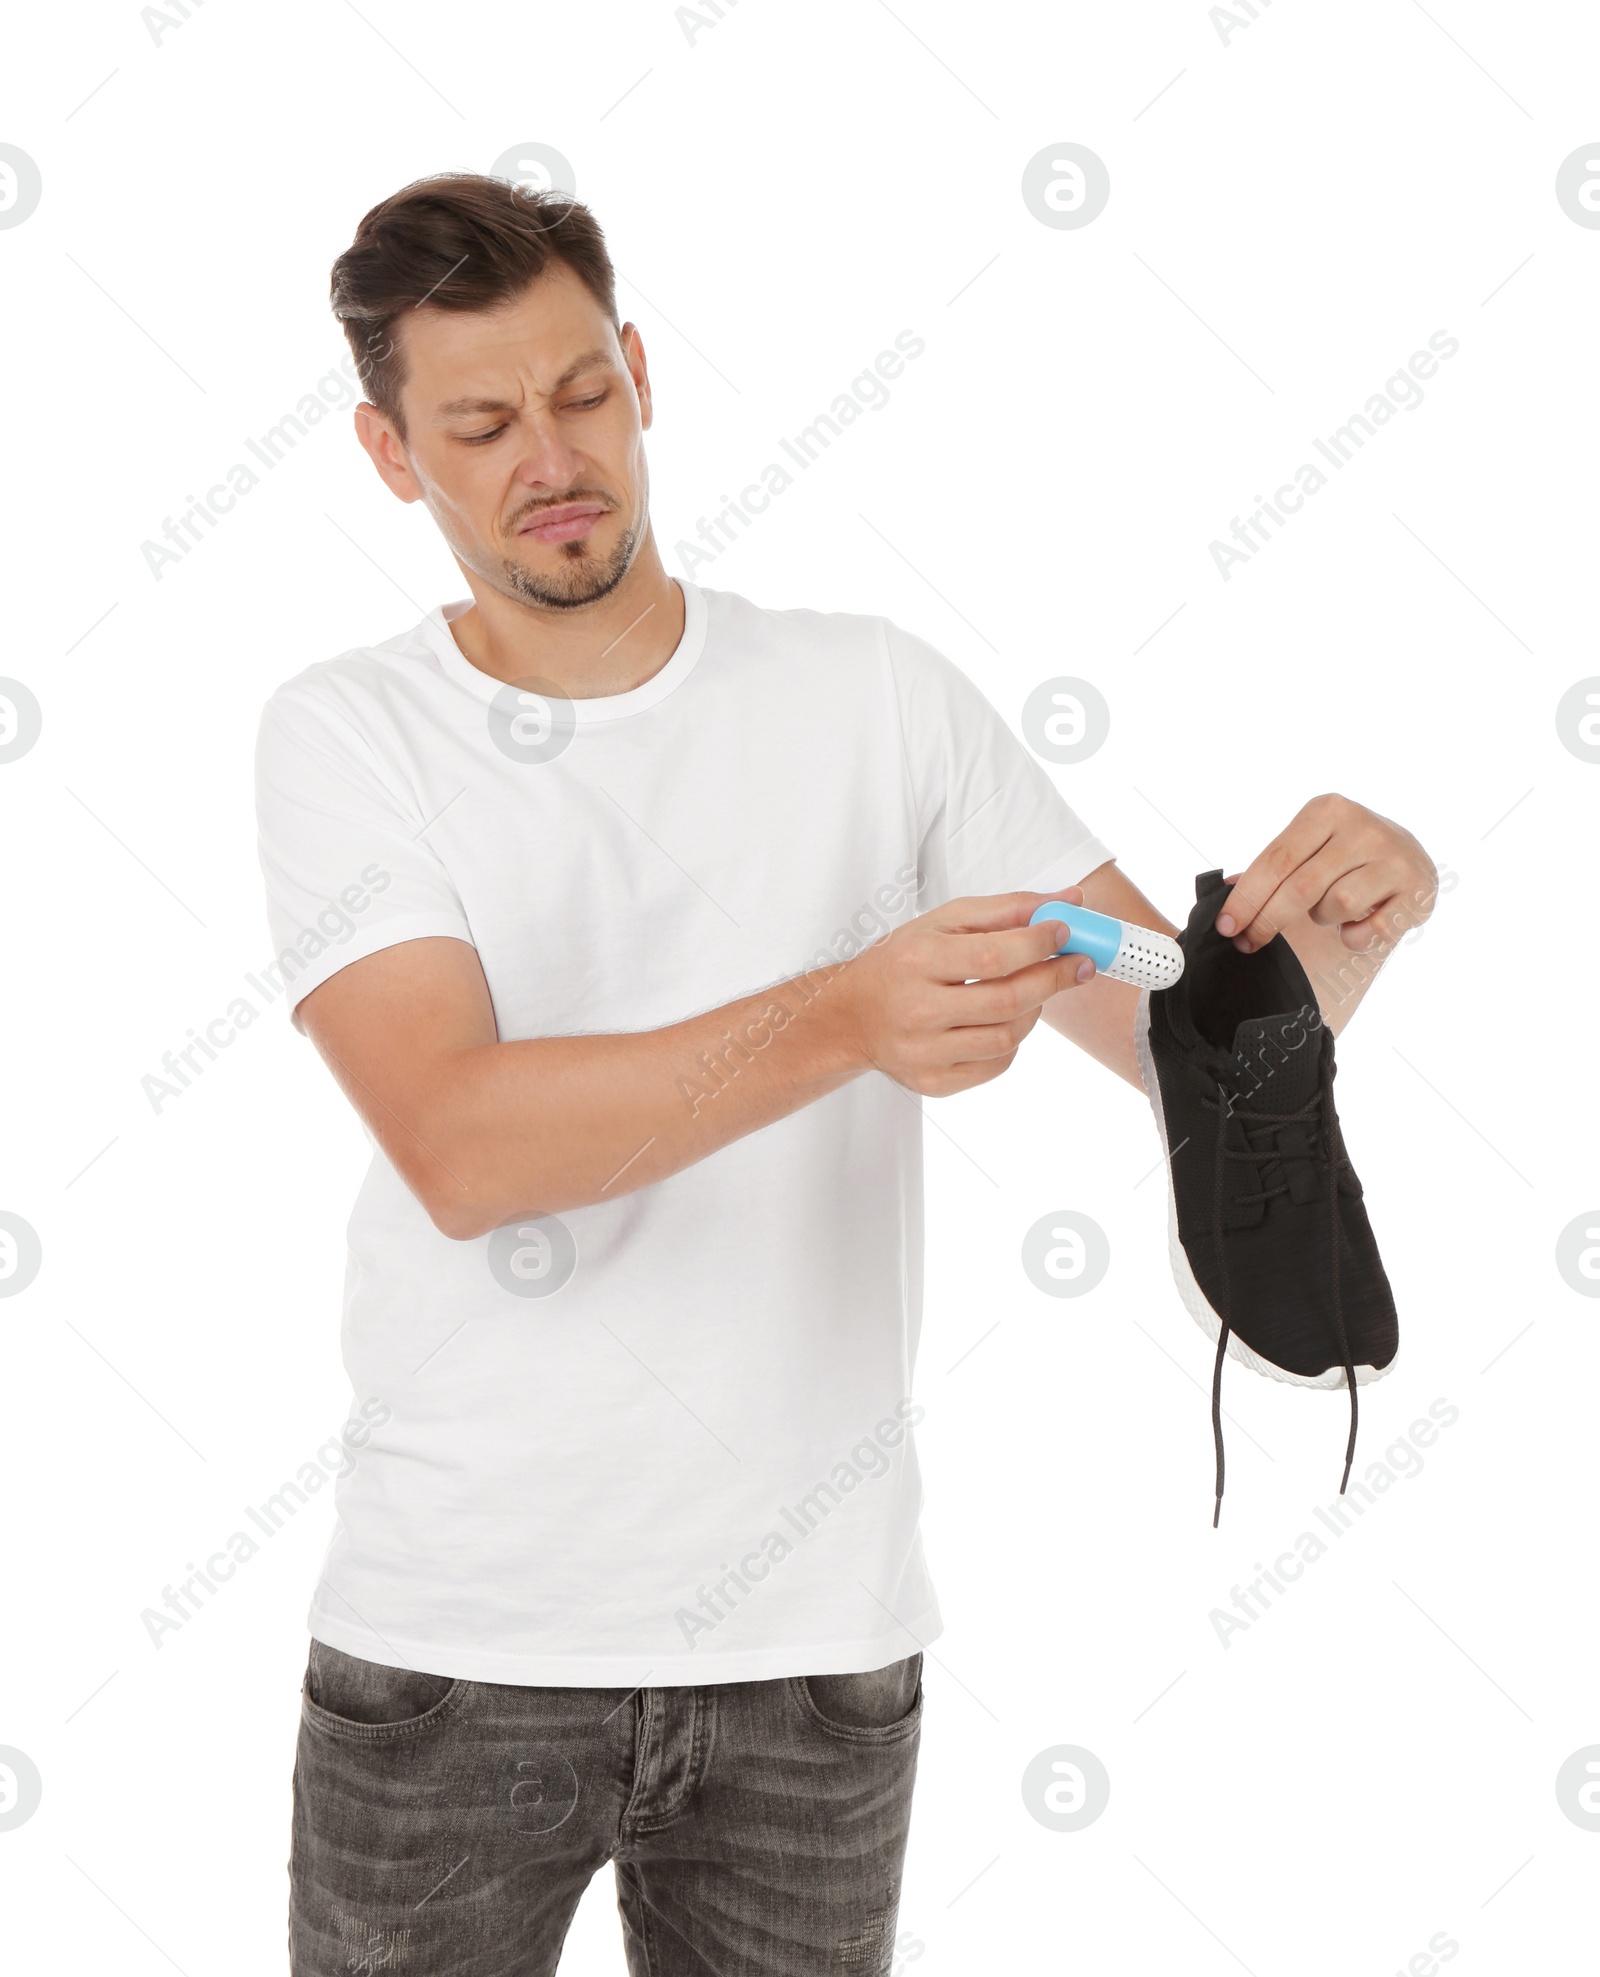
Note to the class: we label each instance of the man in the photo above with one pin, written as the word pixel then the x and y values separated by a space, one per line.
pixel 635 921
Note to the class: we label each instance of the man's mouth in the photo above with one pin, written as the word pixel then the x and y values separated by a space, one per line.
pixel 564 523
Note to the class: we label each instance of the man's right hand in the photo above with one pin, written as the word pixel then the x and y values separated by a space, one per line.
pixel 943 1003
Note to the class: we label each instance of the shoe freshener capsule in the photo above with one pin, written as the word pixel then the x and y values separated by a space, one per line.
pixel 1125 953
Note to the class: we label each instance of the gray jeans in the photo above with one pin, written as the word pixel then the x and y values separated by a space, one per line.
pixel 447 1828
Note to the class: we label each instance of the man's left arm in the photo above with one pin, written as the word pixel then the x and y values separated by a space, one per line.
pixel 1340 883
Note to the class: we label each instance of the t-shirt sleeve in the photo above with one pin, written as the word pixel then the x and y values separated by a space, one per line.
pixel 989 819
pixel 347 868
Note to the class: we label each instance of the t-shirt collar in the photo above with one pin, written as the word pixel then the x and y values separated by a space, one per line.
pixel 592 711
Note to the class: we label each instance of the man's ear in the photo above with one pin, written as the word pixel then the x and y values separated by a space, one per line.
pixel 639 371
pixel 382 446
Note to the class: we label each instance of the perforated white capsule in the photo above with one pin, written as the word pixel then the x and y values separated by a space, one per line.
pixel 1124 952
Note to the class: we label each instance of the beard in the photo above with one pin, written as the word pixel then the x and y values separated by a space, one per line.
pixel 579 576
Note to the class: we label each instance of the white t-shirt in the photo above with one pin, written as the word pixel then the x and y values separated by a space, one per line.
pixel 665 1439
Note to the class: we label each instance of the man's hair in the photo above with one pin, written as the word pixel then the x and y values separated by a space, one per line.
pixel 457 240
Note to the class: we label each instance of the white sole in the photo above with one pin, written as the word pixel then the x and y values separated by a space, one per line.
pixel 1195 1300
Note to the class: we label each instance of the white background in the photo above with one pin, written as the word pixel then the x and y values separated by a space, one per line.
pixel 1305 202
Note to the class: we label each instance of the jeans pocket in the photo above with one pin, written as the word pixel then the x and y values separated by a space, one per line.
pixel 369 1699
pixel 881 1705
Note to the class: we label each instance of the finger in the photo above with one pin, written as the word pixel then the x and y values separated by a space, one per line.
pixel 1354 894
pixel 964 1077
pixel 1376 930
pixel 1012 995
pixel 992 913
pixel 1310 830
pixel 981 1043
pixel 1329 891
pixel 1292 900
pixel 986 957
pixel 1389 921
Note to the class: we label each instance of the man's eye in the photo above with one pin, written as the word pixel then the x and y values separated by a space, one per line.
pixel 584 404
pixel 482 438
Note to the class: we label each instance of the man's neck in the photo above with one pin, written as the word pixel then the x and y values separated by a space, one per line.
pixel 587 652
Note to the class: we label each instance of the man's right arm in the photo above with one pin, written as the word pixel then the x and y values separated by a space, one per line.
pixel 485 1132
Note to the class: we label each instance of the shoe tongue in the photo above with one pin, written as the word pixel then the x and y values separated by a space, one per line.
pixel 1277 1060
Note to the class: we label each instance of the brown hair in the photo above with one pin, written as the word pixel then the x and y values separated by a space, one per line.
pixel 457 240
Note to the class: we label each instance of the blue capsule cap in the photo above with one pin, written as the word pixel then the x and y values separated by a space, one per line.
pixel 1094 934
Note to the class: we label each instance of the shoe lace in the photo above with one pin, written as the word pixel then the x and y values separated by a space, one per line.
pixel 1259 1125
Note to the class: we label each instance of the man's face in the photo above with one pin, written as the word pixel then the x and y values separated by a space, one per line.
pixel 526 428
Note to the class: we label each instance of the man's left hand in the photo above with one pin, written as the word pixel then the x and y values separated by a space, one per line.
pixel 1340 866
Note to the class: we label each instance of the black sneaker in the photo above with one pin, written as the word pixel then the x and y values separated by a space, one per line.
pixel 1267 1232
